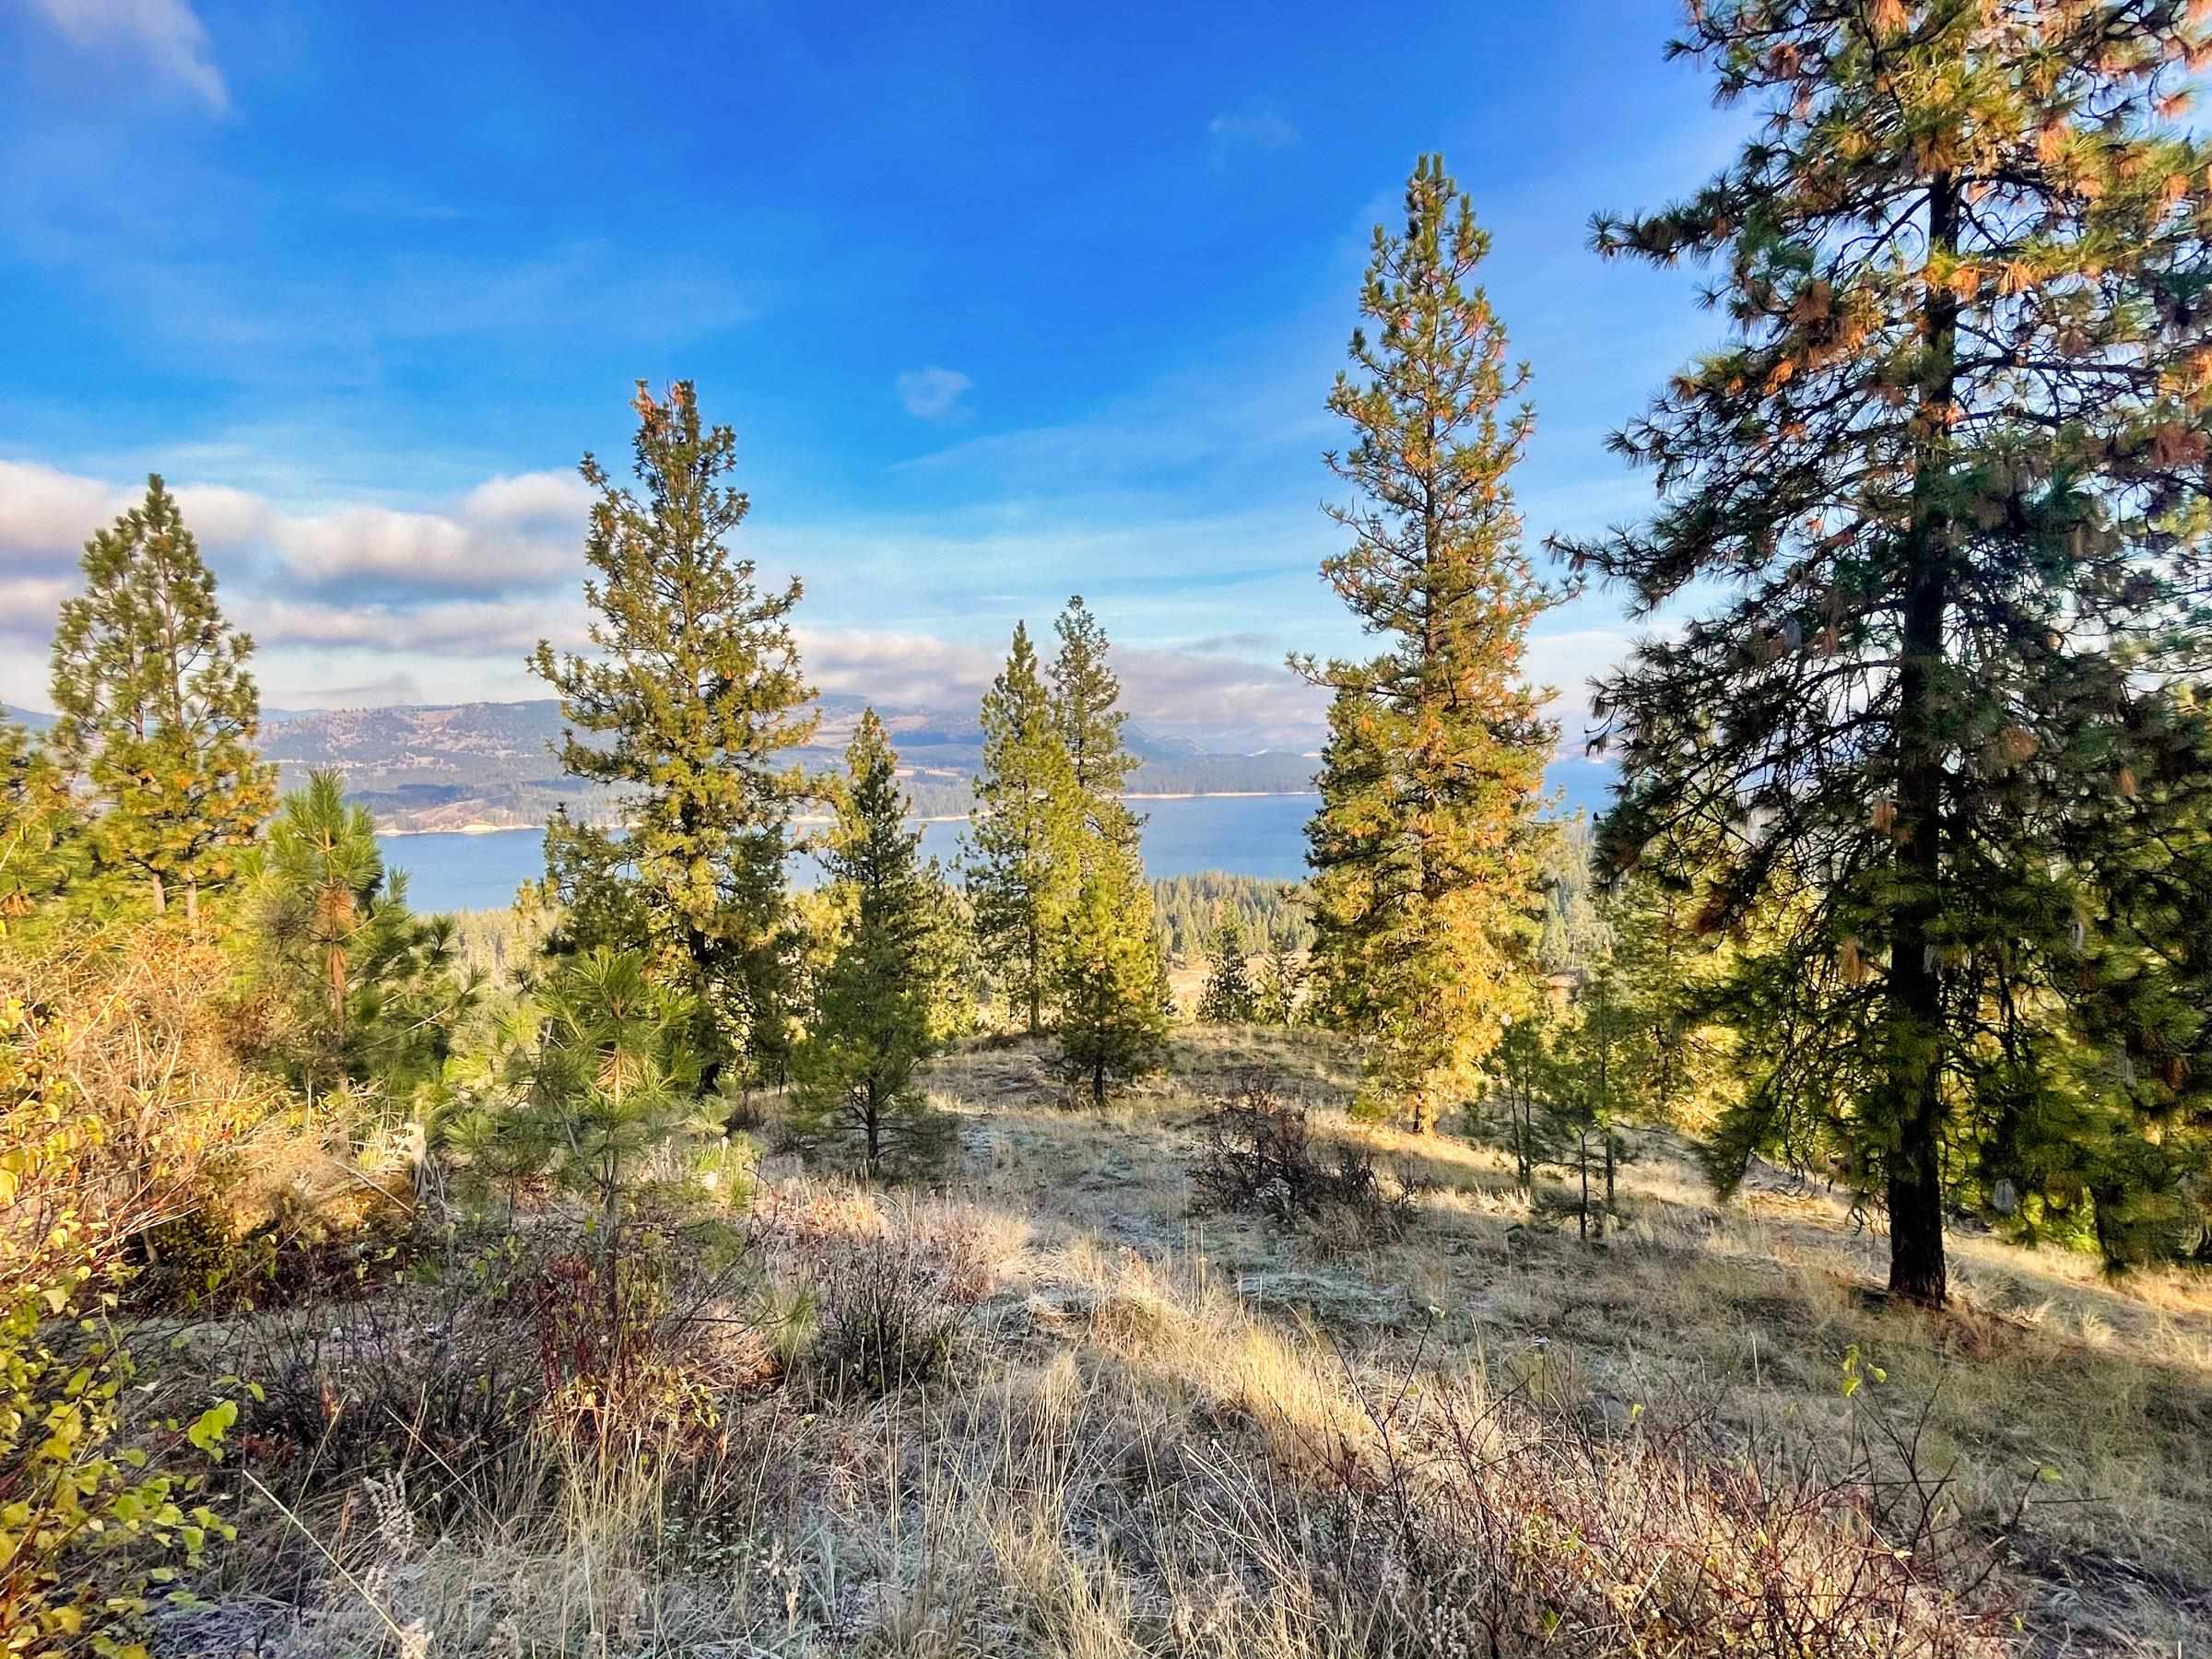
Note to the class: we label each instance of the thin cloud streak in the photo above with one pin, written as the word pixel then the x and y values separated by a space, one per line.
pixel 167 33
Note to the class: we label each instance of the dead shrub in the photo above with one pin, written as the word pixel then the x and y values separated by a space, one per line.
pixel 637 1370
pixel 114 1069
pixel 1462 1522
pixel 1258 1155
pixel 439 1373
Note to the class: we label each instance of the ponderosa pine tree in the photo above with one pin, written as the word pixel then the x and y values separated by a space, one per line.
pixel 378 992
pixel 1019 857
pixel 599 1072
pixel 854 1071
pixel 1679 1059
pixel 158 712
pixel 1593 1077
pixel 2131 1142
pixel 1113 975
pixel 1228 997
pixel 698 692
pixel 1109 979
pixel 1426 851
pixel 1950 465
pixel 1086 707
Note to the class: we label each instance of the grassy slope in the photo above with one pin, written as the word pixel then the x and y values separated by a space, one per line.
pixel 2098 1393
pixel 984 1514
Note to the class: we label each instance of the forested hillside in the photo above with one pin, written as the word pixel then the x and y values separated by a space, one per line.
pixel 1767 1217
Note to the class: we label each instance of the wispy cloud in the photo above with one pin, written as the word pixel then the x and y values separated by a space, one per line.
pixel 933 394
pixel 167 33
pixel 1229 134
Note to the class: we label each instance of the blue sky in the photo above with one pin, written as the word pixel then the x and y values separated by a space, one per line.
pixel 1004 302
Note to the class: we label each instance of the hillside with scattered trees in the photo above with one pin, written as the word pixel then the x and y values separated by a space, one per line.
pixel 1769 1217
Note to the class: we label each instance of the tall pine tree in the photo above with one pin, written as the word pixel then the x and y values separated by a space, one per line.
pixel 1426 851
pixel 696 692
pixel 158 712
pixel 1019 859
pixel 855 1070
pixel 1111 981
pixel 1086 706
pixel 1111 971
pixel 1949 466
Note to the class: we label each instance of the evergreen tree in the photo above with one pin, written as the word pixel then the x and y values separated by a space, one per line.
pixel 601 1072
pixel 1230 997
pixel 40 830
pixel 1522 1068
pixel 1019 859
pixel 1277 997
pixel 158 712
pixel 1112 975
pixel 1594 1089
pixel 698 690
pixel 1427 853
pixel 1574 933
pixel 1950 465
pixel 1189 906
pixel 2130 1146
pixel 378 993
pixel 953 967
pixel 1680 1059
pixel 855 1069
pixel 1111 982
pixel 1086 699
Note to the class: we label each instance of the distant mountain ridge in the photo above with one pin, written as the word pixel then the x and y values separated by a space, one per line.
pixel 455 766
pixel 451 765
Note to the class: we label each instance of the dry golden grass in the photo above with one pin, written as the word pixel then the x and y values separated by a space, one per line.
pixel 1099 1472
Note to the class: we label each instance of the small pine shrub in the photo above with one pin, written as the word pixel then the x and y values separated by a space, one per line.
pixel 1258 1155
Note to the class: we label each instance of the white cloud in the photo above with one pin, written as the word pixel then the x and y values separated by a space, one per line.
pixel 1251 130
pixel 505 533
pixel 527 496
pixel 933 394
pixel 464 629
pixel 382 546
pixel 895 669
pixel 168 33
pixel 45 515
pixel 27 605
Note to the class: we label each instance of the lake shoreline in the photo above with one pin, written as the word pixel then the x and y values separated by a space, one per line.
pixel 479 828
pixel 1258 835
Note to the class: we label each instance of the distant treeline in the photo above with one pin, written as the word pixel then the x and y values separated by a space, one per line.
pixel 1191 908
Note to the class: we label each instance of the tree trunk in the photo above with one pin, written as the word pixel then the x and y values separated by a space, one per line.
pixel 160 893
pixel 875 1129
pixel 1915 1033
pixel 1581 1159
pixel 334 969
pixel 700 949
pixel 1036 973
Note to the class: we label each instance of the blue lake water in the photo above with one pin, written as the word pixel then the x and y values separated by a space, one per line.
pixel 1251 835
pixel 1246 835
